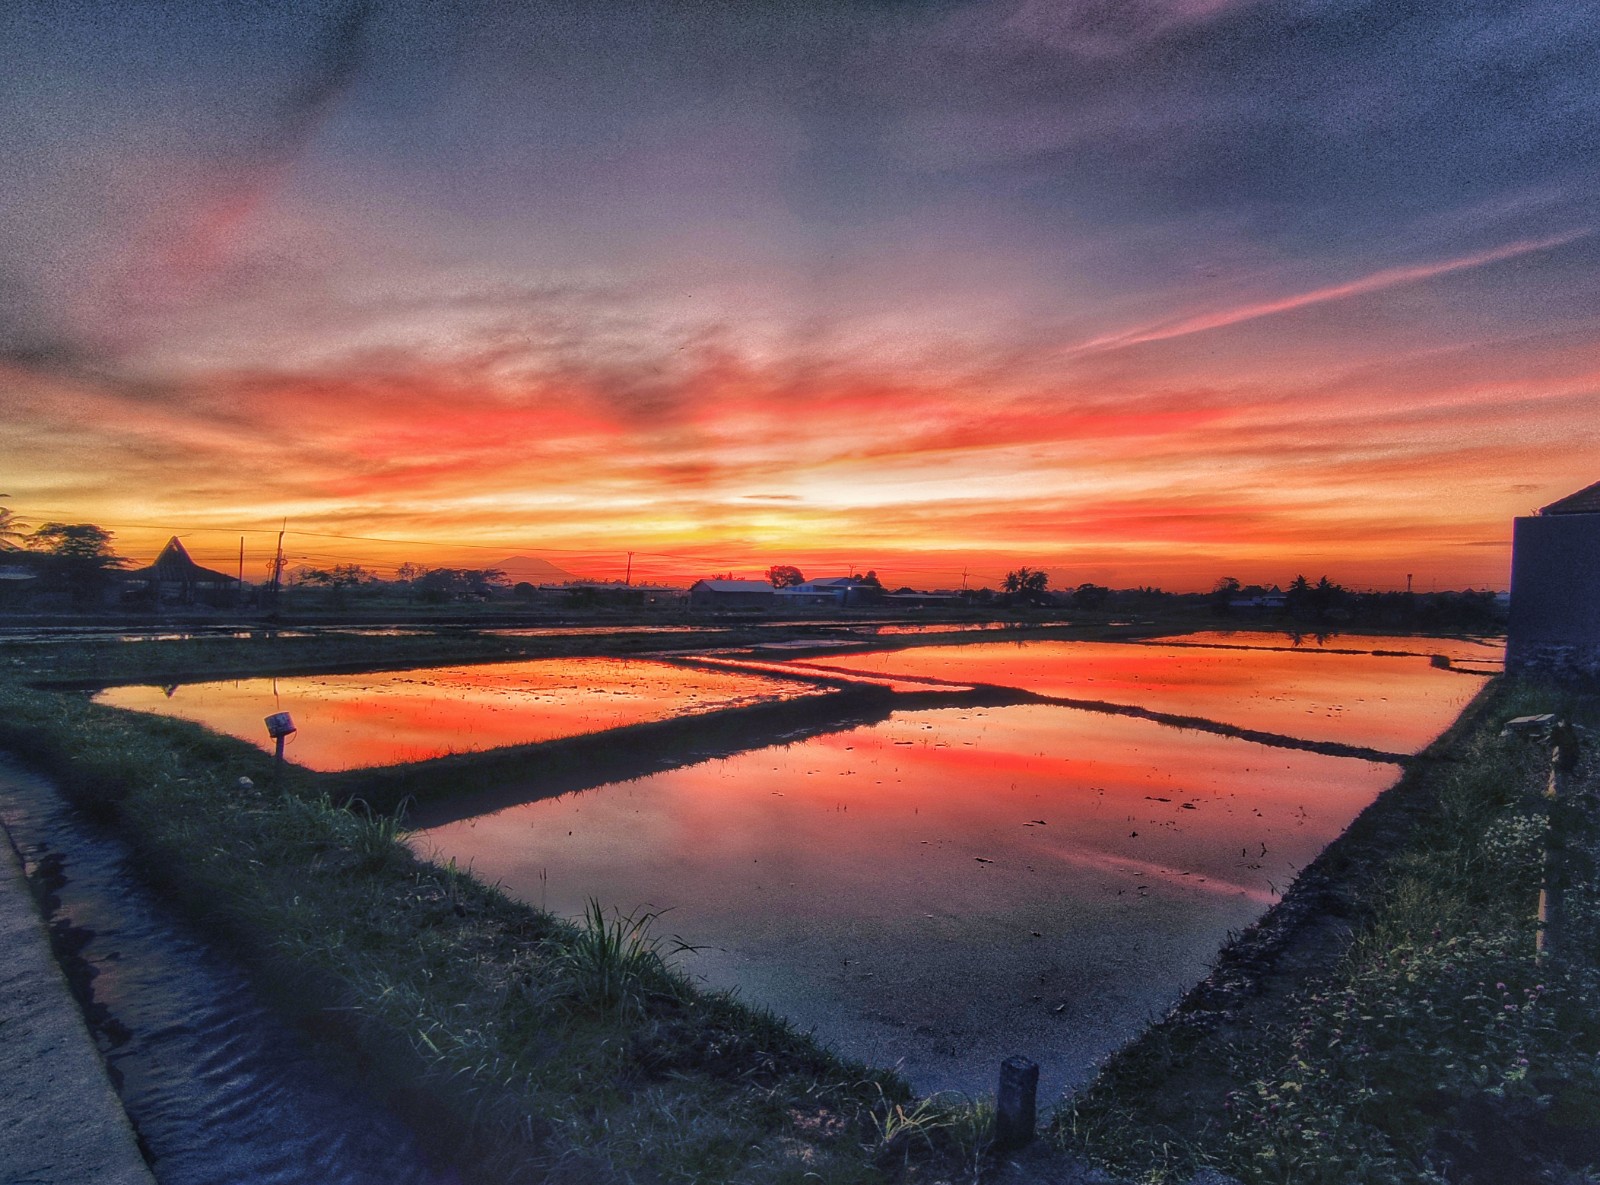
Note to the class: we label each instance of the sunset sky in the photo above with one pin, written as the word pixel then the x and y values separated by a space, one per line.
pixel 1138 291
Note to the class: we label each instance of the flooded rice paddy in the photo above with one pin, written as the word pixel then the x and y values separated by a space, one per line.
pixel 949 887
pixel 1476 651
pixel 946 886
pixel 1396 704
pixel 357 721
pixel 952 886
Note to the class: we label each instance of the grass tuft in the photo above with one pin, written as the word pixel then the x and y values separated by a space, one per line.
pixel 615 965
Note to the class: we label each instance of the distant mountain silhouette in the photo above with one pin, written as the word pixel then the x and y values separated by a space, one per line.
pixel 532 569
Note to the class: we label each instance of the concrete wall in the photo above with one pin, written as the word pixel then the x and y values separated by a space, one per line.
pixel 711 599
pixel 1555 595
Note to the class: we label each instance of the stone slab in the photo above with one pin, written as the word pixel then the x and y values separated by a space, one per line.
pixel 61 1122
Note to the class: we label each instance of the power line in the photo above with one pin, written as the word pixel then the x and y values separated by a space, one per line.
pixel 740 555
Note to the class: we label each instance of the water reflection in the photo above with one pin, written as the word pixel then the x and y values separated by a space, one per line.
pixel 948 887
pixel 957 627
pixel 1393 704
pixel 357 721
pixel 1473 650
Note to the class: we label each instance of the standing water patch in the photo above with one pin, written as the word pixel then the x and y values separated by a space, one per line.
pixel 1394 704
pixel 949 887
pixel 383 718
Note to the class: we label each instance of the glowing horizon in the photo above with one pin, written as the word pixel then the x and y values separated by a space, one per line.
pixel 1145 297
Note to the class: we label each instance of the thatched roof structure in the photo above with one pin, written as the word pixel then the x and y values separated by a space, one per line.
pixel 174 567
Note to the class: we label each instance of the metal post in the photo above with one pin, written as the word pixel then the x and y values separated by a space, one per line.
pixel 1016 1103
pixel 1550 937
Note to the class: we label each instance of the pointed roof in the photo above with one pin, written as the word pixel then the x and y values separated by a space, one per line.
pixel 175 565
pixel 1585 501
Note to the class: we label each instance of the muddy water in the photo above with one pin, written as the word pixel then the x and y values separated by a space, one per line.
pixel 219 1090
pixel 357 721
pixel 949 887
pixel 1397 705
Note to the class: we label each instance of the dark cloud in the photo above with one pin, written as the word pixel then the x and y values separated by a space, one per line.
pixel 334 61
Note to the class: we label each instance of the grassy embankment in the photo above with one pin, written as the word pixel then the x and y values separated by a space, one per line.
pixel 523 1047
pixel 1399 1029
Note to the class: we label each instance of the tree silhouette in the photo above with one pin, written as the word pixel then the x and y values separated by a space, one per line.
pixel 1027 584
pixel 785 576
pixel 78 558
pixel 1090 596
pixel 1298 598
pixel 12 530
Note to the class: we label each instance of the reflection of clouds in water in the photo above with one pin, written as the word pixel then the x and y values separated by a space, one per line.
pixel 1181 878
pixel 1388 703
pixel 357 721
pixel 1381 645
pixel 956 850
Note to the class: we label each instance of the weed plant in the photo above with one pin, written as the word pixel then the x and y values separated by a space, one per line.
pixel 615 965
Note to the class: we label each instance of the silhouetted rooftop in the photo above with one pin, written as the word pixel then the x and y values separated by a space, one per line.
pixel 734 585
pixel 1585 501
pixel 174 564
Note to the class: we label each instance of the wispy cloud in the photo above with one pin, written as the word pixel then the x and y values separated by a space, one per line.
pixel 1377 281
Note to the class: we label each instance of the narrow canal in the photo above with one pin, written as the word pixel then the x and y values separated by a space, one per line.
pixel 220 1091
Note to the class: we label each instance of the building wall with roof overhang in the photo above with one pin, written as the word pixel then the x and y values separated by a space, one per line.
pixel 1555 589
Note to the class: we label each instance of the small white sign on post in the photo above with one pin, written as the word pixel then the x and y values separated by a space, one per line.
pixel 279 726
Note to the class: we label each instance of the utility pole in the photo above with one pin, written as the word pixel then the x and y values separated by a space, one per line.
pixel 628 579
pixel 238 592
pixel 277 566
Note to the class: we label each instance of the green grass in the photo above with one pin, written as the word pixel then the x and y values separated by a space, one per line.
pixel 1433 1048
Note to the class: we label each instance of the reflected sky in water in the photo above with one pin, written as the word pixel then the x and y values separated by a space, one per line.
pixel 1479 651
pixel 951 886
pixel 357 721
pixel 1394 704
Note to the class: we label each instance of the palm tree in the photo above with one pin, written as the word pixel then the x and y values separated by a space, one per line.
pixel 10 528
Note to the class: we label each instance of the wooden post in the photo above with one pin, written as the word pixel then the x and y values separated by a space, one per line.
pixel 277 766
pixel 1551 935
pixel 1016 1104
